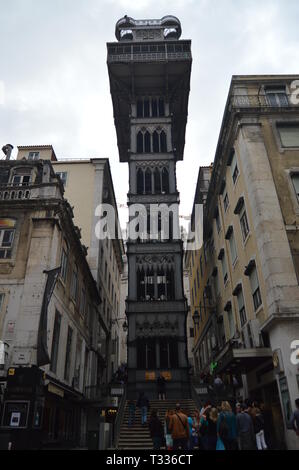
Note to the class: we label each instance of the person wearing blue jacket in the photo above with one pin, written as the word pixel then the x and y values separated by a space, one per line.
pixel 227 427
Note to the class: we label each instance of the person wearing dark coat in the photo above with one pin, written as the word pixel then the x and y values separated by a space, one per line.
pixel 161 387
pixel 156 430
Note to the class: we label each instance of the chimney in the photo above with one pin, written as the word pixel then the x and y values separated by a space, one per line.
pixel 7 149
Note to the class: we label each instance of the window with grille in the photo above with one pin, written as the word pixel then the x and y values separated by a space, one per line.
pixel 276 96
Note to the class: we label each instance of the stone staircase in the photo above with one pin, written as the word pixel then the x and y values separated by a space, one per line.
pixel 137 437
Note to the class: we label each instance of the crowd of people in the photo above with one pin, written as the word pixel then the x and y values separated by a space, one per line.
pixel 212 428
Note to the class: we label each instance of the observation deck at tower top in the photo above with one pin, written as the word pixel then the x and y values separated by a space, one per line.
pixel 149 59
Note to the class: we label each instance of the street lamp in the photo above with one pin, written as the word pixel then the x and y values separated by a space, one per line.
pixel 196 318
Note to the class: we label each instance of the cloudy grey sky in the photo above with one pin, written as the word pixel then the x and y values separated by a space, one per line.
pixel 54 83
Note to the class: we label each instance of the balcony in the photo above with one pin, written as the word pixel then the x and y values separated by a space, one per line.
pixel 161 52
pixel 239 360
pixel 262 101
pixel 15 192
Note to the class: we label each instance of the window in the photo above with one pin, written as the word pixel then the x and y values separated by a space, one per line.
pixel 233 249
pixel 226 202
pixel 224 269
pixel 63 176
pixel 197 275
pixel 33 156
pixel 231 323
pixel 255 289
pixel 218 223
pixel 64 261
pixel 234 169
pixel 21 180
pixel 68 354
pixel 244 224
pixel 150 107
pixel 191 332
pixel 242 310
pixel 55 342
pixel 74 284
pixel 289 134
pixel 82 302
pixel 249 335
pixel 295 180
pixel 277 96
pixel 7 233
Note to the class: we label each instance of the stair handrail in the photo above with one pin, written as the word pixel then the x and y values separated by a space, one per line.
pixel 119 417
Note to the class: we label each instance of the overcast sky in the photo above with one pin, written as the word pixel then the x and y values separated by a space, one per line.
pixel 54 83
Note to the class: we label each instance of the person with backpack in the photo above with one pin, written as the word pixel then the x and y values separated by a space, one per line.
pixel 295 418
pixel 259 424
pixel 143 404
pixel 227 427
pixel 179 428
pixel 156 430
pixel 203 429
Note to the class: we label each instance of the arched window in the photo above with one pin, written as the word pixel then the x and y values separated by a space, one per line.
pixel 165 181
pixel 163 144
pixel 148 181
pixel 140 183
pixel 147 142
pixel 139 142
pixel 157 181
pixel 156 147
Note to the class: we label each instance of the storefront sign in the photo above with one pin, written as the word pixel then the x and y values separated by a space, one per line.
pixel 56 390
pixel 166 375
pixel 150 376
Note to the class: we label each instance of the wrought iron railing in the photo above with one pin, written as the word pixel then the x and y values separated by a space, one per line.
pixel 274 101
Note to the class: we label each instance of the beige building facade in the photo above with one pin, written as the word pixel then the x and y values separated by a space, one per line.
pixel 50 398
pixel 250 267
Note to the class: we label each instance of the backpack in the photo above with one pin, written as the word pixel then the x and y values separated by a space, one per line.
pixel 223 428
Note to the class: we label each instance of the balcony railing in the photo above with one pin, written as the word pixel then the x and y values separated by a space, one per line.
pixel 149 52
pixel 281 100
pixel 14 193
